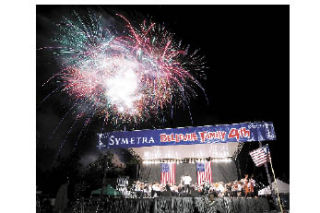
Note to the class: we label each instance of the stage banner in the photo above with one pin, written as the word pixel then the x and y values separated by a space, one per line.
pixel 226 133
pixel 204 173
pixel 168 173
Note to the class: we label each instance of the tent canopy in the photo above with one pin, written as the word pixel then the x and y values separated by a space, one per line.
pixel 106 191
pixel 282 188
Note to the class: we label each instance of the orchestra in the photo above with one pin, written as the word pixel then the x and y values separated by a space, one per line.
pixel 245 187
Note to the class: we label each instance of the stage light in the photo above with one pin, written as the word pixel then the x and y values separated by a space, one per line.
pixel 222 160
pixel 189 160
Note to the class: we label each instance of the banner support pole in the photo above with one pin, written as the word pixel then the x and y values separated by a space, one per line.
pixel 275 180
pixel 268 177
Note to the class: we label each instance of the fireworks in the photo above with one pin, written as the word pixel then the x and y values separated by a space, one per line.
pixel 124 77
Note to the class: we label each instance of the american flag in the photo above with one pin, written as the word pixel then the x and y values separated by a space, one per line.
pixel 168 173
pixel 260 156
pixel 204 173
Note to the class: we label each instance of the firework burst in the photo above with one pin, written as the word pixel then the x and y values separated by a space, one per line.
pixel 126 77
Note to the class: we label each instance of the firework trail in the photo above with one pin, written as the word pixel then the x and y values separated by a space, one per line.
pixel 126 77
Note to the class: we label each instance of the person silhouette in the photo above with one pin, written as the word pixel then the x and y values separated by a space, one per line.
pixel 62 197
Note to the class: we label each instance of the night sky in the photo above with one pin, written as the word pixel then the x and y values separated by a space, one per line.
pixel 247 52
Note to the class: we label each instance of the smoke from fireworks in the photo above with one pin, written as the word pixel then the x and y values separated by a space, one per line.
pixel 125 77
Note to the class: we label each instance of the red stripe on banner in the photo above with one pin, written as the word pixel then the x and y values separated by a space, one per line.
pixel 170 174
pixel 204 177
pixel 208 166
pixel 174 174
pixel 161 177
pixel 212 174
pixel 198 178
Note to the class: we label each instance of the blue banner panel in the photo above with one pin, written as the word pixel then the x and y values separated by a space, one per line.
pixel 241 132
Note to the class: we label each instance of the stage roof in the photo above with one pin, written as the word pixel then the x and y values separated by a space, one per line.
pixel 213 150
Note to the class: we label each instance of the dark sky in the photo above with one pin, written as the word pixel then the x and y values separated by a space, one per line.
pixel 247 52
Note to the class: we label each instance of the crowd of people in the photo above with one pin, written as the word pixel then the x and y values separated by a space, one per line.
pixel 245 187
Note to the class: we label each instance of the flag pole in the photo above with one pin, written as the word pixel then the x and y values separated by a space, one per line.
pixel 277 190
pixel 267 169
pixel 269 177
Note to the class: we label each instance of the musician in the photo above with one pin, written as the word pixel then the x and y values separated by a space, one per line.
pixel 234 189
pixel 228 187
pixel 220 187
pixel 186 181
pixel 147 190
pixel 167 192
pixel 246 187
pixel 136 185
pixel 155 189
pixel 239 189
pixel 244 182
pixel 252 186
pixel 174 189
pixel 62 197
pixel 245 179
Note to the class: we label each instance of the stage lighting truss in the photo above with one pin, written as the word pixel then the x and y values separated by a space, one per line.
pixel 190 160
